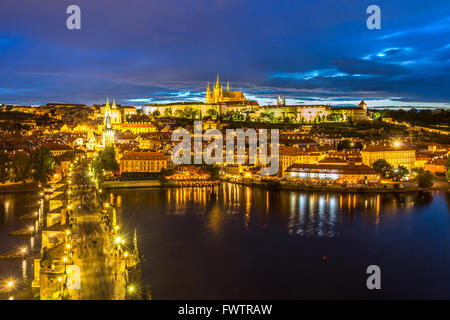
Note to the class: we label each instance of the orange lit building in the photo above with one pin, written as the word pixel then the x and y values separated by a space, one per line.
pixel 135 161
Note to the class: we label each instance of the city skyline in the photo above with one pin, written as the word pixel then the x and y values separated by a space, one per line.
pixel 153 52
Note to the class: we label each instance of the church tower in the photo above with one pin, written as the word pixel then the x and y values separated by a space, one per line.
pixel 107 109
pixel 108 132
pixel 208 98
pixel 363 105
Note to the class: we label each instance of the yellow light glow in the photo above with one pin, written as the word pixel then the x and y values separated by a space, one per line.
pixel 118 240
pixel 65 259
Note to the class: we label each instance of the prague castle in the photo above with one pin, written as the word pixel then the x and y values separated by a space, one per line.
pixel 219 96
pixel 221 101
pixel 216 99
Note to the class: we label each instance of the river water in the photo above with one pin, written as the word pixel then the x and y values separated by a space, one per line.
pixel 251 243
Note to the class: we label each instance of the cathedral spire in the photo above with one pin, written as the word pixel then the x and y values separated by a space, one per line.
pixel 114 103
pixel 217 83
pixel 228 86
pixel 107 103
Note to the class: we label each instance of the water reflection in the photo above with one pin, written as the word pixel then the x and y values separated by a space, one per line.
pixel 303 214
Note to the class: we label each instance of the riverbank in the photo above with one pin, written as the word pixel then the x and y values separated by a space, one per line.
pixel 337 188
pixel 11 187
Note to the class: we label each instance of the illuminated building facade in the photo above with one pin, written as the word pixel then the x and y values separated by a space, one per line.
pixel 341 173
pixel 394 156
pixel 135 161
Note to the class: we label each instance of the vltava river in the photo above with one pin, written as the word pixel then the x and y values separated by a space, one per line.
pixel 243 243
pixel 248 243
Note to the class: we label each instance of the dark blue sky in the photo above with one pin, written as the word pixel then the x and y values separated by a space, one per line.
pixel 141 51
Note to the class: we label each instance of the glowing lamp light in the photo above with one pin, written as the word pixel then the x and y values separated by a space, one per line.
pixel 59 279
pixel 125 254
pixel 118 240
pixel 131 289
pixel 11 298
pixel 65 259
pixel 67 232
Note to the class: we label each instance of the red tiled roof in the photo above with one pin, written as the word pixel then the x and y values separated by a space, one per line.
pixel 136 155
pixel 381 148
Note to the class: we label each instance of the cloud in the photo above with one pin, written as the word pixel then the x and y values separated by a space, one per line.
pixel 364 67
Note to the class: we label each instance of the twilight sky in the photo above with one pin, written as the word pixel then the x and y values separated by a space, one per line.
pixel 142 51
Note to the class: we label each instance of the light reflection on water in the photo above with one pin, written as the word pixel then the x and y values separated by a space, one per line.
pixel 12 207
pixel 309 214
pixel 240 242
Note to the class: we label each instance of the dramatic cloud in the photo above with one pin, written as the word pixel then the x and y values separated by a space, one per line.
pixel 145 51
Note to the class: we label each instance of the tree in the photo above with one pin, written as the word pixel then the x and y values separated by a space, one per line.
pixel 179 113
pixel 167 112
pixel 401 172
pixel 424 178
pixel 447 175
pixel 344 144
pixel 212 113
pixel 21 164
pixel 213 171
pixel 383 167
pixel 335 117
pixel 106 160
pixel 43 164
pixel 4 164
pixel 156 114
pixel 68 155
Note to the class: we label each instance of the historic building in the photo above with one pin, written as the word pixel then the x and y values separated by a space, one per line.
pixel 140 161
pixel 347 173
pixel 314 113
pixel 216 99
pixel 218 96
pixel 393 155
pixel 108 131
